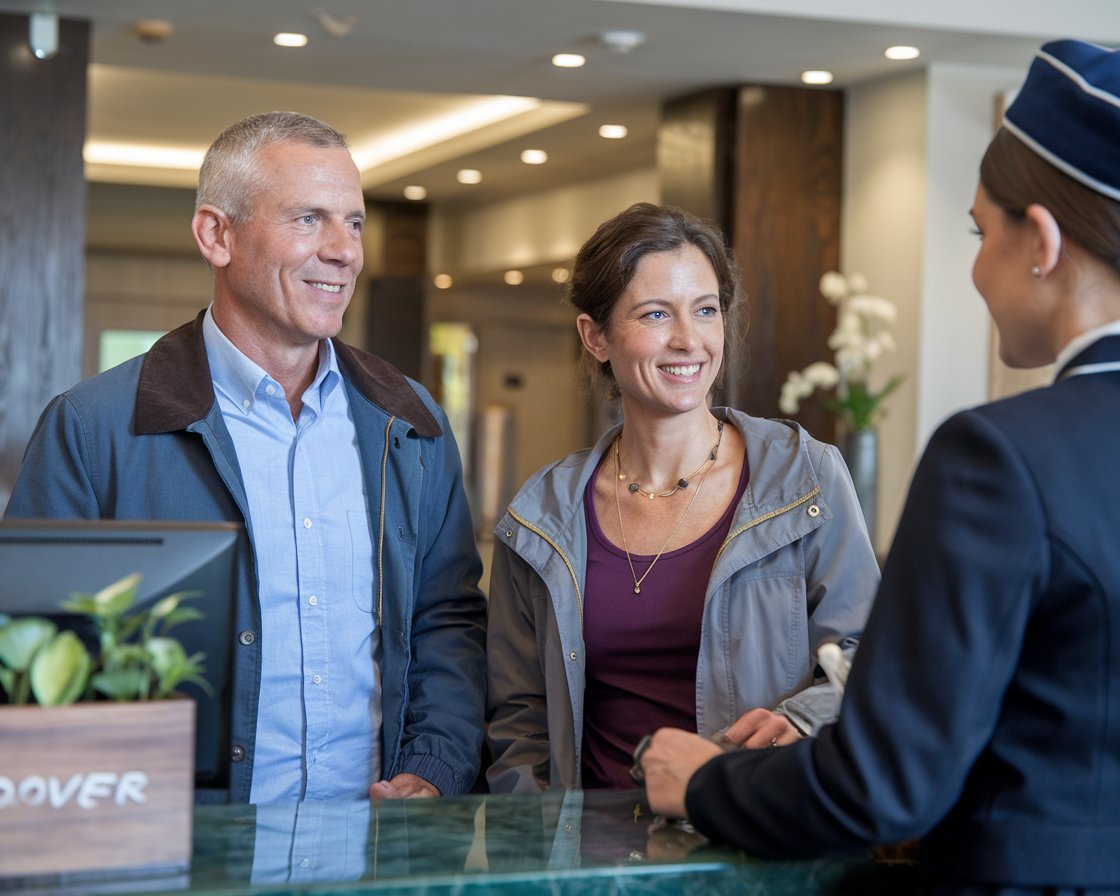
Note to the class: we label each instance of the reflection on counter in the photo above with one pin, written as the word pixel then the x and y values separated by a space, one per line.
pixel 559 843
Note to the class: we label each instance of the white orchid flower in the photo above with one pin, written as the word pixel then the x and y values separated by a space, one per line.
pixel 857 284
pixel 872 307
pixel 821 375
pixel 834 286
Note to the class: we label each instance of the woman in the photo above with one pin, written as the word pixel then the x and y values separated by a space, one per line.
pixel 982 708
pixel 685 569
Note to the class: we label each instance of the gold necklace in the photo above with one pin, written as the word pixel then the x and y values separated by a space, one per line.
pixel 683 482
pixel 665 544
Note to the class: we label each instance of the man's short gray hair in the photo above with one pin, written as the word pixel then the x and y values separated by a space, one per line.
pixel 229 178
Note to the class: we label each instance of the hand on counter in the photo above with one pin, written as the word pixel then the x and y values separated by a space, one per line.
pixel 668 762
pixel 758 728
pixel 402 787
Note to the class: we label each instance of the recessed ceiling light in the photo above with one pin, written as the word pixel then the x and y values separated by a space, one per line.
pixel 901 52
pixel 568 60
pixel 816 77
pixel 514 278
pixel 534 156
pixel 561 275
pixel 415 192
pixel 469 176
pixel 442 281
pixel 287 39
pixel 613 131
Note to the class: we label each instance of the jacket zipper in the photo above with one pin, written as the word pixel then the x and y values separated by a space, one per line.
pixel 750 524
pixel 571 571
pixel 381 521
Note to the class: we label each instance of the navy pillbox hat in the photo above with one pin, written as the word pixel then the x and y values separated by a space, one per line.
pixel 1068 111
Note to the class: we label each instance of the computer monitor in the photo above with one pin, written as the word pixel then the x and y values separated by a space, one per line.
pixel 43 562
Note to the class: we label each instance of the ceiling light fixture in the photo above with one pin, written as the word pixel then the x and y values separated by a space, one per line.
pixel 534 156
pixel 469 176
pixel 568 60
pixel 442 281
pixel 143 156
pixel 816 76
pixel 42 34
pixel 622 41
pixel 902 52
pixel 289 39
pixel 613 131
pixel 466 118
pixel 561 275
pixel 415 192
pixel 152 31
pixel 514 278
pixel 337 26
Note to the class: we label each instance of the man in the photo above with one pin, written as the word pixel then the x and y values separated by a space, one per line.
pixel 359 664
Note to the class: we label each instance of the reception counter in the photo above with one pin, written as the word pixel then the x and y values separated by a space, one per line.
pixel 560 843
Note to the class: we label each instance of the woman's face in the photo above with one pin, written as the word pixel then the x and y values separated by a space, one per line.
pixel 664 337
pixel 1002 274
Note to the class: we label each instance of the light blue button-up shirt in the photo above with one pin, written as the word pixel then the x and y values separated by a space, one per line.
pixel 319 713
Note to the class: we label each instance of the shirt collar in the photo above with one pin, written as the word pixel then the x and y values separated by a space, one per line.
pixel 239 377
pixel 1082 341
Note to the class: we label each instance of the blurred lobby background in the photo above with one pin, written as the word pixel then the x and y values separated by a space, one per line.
pixel 698 103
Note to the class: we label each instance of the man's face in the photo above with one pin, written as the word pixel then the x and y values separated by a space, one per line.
pixel 294 260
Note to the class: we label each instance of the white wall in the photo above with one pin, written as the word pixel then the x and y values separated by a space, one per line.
pixel 881 237
pixel 912 150
pixel 961 112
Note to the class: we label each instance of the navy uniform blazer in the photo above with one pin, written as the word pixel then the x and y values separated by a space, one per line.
pixel 983 707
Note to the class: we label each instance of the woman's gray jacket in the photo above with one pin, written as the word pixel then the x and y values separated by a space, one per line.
pixel 795 571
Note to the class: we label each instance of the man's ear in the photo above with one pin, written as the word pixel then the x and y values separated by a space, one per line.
pixel 212 232
pixel 593 338
pixel 1046 238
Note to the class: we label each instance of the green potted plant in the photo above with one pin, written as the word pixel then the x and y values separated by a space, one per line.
pixel 136 659
pixel 96 758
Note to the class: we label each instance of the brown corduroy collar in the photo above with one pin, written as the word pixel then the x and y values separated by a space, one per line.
pixel 176 389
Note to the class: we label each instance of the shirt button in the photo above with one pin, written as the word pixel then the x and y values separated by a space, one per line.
pixel 313 600
pixel 246 404
pixel 304 863
pixel 270 389
pixel 246 638
pixel 814 510
pixel 318 679
pixel 237 753
pixel 572 655
pixel 306 523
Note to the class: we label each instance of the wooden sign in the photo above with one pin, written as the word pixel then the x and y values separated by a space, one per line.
pixel 96 786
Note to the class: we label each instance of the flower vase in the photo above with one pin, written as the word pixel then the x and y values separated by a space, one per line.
pixel 861 453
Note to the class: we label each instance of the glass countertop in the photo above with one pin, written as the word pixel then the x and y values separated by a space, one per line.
pixel 559 843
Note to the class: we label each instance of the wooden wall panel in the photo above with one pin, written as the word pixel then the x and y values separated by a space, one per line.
pixel 42 228
pixel 696 155
pixel 396 327
pixel 786 233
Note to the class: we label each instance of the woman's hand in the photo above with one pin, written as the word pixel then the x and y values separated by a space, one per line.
pixel 668 762
pixel 758 728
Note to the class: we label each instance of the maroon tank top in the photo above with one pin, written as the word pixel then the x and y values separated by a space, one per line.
pixel 641 649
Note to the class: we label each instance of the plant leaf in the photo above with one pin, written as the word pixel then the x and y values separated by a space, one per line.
pixel 167 657
pixel 60 670
pixel 20 638
pixel 122 684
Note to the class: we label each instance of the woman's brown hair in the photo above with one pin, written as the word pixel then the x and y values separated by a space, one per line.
pixel 1014 177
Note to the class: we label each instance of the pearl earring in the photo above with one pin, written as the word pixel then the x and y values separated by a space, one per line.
pixel 1036 271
